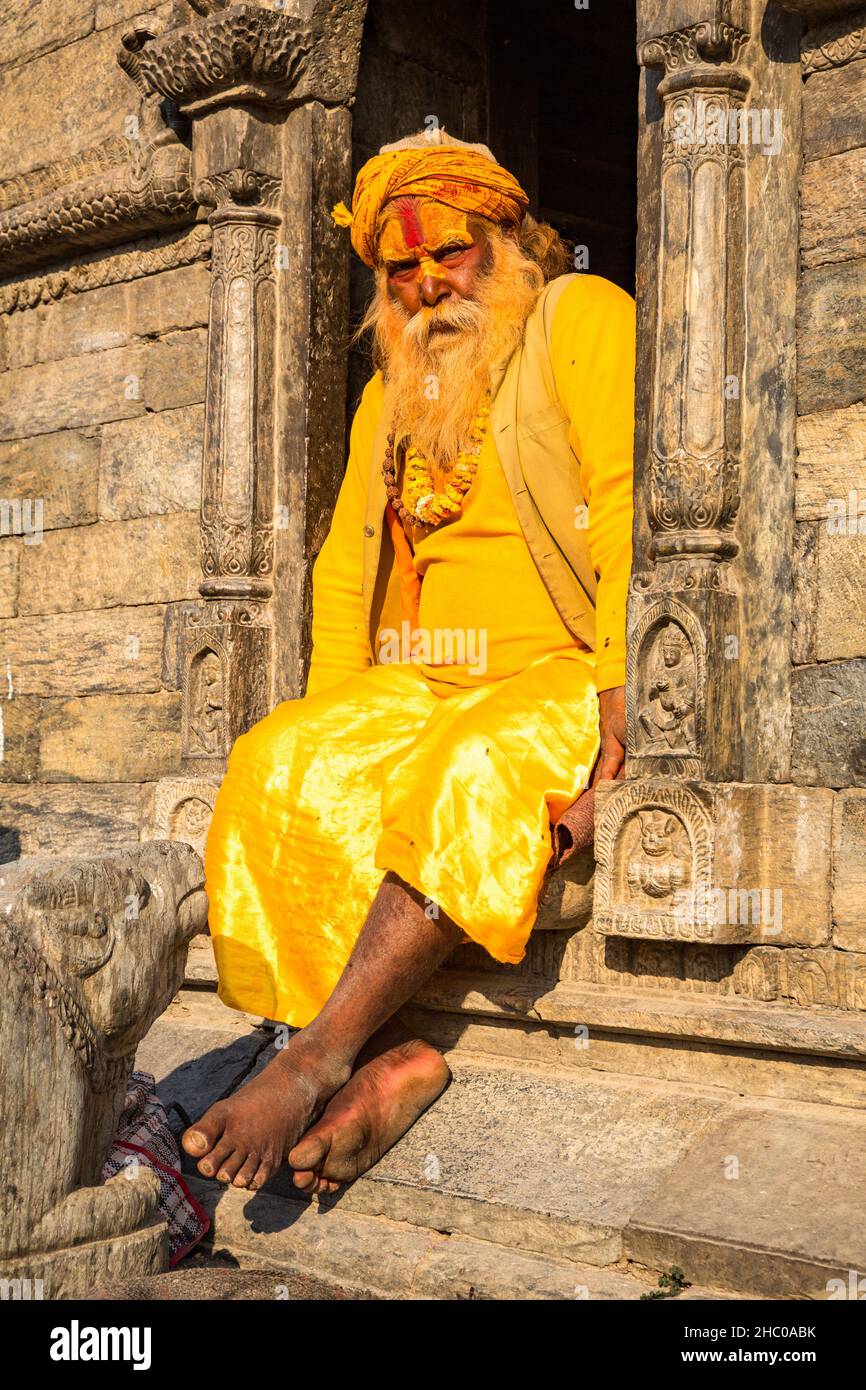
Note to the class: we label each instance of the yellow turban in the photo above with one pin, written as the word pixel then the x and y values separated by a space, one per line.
pixel 452 174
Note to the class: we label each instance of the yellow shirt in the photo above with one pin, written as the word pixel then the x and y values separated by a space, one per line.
pixel 495 588
pixel 483 602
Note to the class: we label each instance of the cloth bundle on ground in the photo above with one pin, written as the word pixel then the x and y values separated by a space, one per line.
pixel 145 1137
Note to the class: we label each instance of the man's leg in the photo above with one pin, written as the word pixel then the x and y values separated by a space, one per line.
pixel 245 1139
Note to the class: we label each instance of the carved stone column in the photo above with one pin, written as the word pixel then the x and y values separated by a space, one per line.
pixel 700 817
pixel 267 94
pixel 684 621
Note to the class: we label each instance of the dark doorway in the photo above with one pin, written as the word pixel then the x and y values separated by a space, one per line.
pixel 551 88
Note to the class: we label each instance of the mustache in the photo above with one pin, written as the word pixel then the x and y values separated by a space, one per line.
pixel 442 320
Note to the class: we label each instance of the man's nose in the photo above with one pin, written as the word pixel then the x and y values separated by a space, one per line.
pixel 432 289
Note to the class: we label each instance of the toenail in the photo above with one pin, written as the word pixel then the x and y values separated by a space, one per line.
pixel 223 1176
pixel 206 1168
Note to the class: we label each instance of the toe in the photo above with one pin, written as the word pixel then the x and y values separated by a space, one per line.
pixel 261 1175
pixel 310 1152
pixel 209 1166
pixel 304 1180
pixel 247 1172
pixel 231 1166
pixel 200 1138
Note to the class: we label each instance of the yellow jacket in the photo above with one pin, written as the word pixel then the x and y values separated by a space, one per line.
pixel 562 420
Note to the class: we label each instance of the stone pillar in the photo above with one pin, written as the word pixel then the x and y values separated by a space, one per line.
pixel 684 624
pixel 267 94
pixel 704 812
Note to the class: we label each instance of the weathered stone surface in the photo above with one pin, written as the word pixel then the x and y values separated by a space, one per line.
pixel 829 724
pixel 65 819
pixel 182 809
pixel 831 460
pixel 840 630
pixel 804 581
pixel 110 738
pixel 87 653
pixel 151 464
pixel 112 317
pixel 93 951
pixel 110 12
pixel 31 27
pixel 831 337
pixel 400 1260
pixel 200 965
pixel 762 1201
pixel 20 722
pixel 61 469
pixel 98 386
pixel 35 103
pixel 553 1163
pixel 849 871
pixel 117 563
pixel 9 554
pixel 833 208
pixel 834 111
pixel 711 862
pixel 669 1038
pixel 223 1285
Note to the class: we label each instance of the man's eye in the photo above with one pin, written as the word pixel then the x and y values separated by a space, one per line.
pixel 402 272
pixel 452 252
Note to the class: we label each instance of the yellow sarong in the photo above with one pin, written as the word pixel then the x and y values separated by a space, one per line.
pixel 455 795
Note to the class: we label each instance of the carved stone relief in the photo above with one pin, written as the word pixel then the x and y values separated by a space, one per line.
pixel 666 683
pixel 183 809
pixel 654 854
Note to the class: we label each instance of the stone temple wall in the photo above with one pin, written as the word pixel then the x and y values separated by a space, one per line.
pixel 829 649
pixel 102 374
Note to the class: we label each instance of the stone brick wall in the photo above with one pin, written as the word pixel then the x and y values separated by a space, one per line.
pixel 829 649
pixel 829 646
pixel 101 404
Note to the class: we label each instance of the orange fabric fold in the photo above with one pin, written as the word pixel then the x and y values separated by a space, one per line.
pixel 410 582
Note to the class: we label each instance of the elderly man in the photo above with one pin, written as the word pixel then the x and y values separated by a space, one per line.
pixel 468 665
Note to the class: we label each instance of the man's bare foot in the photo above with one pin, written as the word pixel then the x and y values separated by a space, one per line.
pixel 245 1139
pixel 372 1111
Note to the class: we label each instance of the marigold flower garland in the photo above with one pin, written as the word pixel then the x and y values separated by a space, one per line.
pixel 423 503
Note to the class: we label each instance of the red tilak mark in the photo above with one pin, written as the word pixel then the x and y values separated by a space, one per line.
pixel 409 220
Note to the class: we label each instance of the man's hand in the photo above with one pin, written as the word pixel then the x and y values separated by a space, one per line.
pixel 611 715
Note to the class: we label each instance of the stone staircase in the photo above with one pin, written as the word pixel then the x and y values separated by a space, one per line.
pixel 567 1159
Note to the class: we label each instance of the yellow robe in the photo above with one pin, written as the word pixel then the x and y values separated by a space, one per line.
pixel 447 772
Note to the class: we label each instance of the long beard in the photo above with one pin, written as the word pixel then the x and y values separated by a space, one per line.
pixel 437 363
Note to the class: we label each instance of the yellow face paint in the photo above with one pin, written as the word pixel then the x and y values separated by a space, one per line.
pixel 420 232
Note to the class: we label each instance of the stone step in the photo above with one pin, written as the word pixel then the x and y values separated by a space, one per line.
pixel 575 1167
pixel 764 1048
pixel 372 1256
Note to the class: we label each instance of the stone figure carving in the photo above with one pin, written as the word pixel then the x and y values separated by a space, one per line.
pixel 659 868
pixel 92 952
pixel 207 705
pixel 667 718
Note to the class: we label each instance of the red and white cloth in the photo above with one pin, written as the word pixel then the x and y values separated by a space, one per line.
pixel 144 1137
